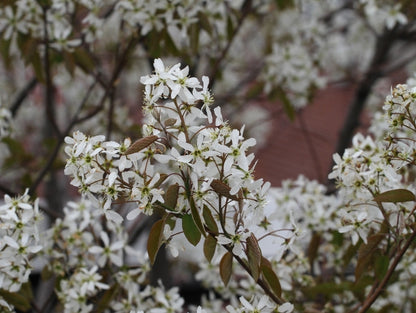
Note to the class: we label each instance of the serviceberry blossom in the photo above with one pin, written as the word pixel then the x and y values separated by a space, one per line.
pixel 181 147
pixel 20 242
pixel 190 162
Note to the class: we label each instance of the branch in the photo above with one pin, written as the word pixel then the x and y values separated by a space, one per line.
pixel 49 88
pixel 311 147
pixel 246 8
pixel 61 140
pixel 22 95
pixel 260 281
pixel 372 297
pixel 383 45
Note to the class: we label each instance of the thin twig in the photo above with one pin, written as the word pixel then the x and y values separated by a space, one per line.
pixel 373 297
pixel 22 96
pixel 311 147
pixel 49 88
pixel 246 8
pixel 55 152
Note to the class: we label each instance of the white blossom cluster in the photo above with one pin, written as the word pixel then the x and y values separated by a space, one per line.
pixel 19 243
pixel 371 167
pixel 383 14
pixel 293 64
pixel 27 18
pixel 89 258
pixel 362 173
pixel 185 145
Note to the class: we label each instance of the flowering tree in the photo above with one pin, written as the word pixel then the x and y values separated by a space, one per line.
pixel 298 247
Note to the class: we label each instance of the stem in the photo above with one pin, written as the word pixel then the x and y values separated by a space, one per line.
pixel 22 96
pixel 383 46
pixel 260 281
pixel 246 8
pixel 372 297
pixel 61 140
pixel 49 88
pixel 311 147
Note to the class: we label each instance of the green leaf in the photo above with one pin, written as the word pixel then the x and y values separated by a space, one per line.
pixel 190 230
pixel 210 245
pixel 196 217
pixel 203 22
pixel 209 220
pixel 20 300
pixel 171 197
pixel 254 256
pixel 69 61
pixel 226 267
pixel 313 247
pixel 381 266
pixel 155 239
pixel 285 4
pixel 46 273
pixel 367 253
pixel 194 32
pixel 395 195
pixel 170 44
pixel 230 28
pixel 255 90
pixel 83 60
pixel 270 276
pixel 106 298
pixel 279 93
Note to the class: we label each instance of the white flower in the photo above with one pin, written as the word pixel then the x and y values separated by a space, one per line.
pixel 108 252
pixel 286 308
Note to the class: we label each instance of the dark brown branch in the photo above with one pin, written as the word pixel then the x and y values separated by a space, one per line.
pixel 22 95
pixel 246 8
pixel 373 297
pixel 55 152
pixel 383 45
pixel 260 281
pixel 77 120
pixel 311 147
pixel 49 88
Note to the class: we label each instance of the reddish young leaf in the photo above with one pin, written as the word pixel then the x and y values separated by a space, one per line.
pixel 106 298
pixel 367 253
pixel 254 256
pixel 210 245
pixel 270 276
pixel 171 197
pixel 140 144
pixel 209 220
pixel 313 247
pixel 155 239
pixel 222 189
pixel 226 267
pixel 395 195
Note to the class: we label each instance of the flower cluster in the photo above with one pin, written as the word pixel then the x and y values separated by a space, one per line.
pixel 382 15
pixel 89 258
pixel 293 64
pixel 20 242
pixel 190 164
pixel 204 162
